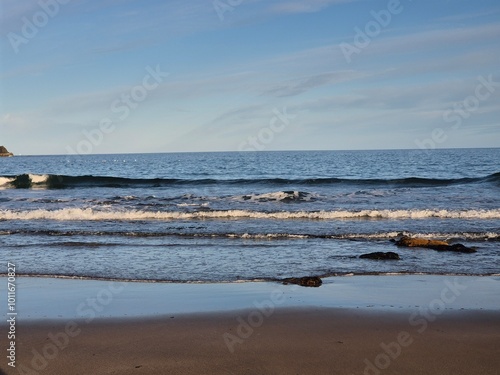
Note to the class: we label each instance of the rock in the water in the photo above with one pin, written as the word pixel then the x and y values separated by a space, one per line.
pixel 310 281
pixel 434 245
pixel 419 242
pixel 457 248
pixel 381 256
pixel 4 152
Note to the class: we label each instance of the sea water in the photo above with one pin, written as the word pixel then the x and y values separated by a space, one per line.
pixel 214 217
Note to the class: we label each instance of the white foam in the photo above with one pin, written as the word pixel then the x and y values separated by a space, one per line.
pixel 277 196
pixel 268 236
pixel 192 205
pixel 38 179
pixel 435 235
pixel 4 181
pixel 130 215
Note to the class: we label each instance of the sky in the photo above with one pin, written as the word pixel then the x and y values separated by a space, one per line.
pixel 130 76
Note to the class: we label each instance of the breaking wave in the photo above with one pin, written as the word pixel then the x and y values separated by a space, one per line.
pixel 27 181
pixel 378 236
pixel 279 196
pixel 91 214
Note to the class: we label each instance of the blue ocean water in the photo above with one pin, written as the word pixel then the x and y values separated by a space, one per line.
pixel 212 217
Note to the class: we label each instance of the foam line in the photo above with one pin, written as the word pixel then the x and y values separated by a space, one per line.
pixel 74 214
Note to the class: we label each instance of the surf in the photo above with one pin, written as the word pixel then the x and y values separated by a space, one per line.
pixel 51 181
pixel 96 214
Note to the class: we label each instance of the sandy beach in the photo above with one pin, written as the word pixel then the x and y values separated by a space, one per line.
pixel 84 327
pixel 290 341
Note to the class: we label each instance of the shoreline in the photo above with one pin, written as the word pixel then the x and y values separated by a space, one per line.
pixel 61 298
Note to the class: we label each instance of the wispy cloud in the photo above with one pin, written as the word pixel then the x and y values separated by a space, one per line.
pixel 300 85
pixel 468 16
pixel 309 6
pixel 436 39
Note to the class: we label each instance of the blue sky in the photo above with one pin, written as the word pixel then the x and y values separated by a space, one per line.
pixel 248 75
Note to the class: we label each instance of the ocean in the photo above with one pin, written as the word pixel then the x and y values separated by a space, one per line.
pixel 241 216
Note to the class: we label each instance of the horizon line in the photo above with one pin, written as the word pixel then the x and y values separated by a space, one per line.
pixel 260 151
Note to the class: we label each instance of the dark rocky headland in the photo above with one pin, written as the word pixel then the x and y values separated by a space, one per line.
pixel 4 152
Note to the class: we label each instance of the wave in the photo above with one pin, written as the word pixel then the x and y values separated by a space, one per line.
pixel 328 275
pixel 91 214
pixel 281 196
pixel 378 236
pixel 49 181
